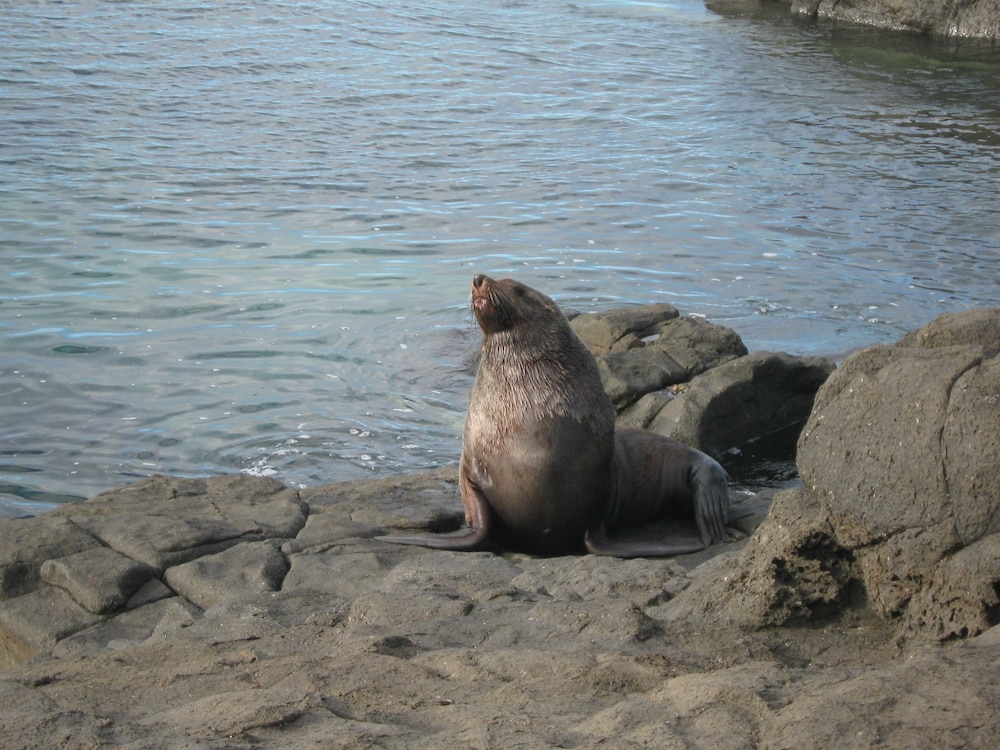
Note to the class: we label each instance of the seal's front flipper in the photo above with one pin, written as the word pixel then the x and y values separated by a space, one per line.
pixel 598 542
pixel 478 515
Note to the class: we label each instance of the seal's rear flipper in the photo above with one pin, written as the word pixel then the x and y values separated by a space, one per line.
pixel 471 541
pixel 598 542
pixel 711 500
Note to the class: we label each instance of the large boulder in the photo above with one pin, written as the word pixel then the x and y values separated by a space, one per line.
pixel 903 452
pixel 901 464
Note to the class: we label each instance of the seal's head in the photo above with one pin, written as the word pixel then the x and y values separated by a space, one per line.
pixel 509 305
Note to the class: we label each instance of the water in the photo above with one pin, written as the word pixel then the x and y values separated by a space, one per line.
pixel 238 237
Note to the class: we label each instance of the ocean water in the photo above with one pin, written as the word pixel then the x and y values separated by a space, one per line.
pixel 239 237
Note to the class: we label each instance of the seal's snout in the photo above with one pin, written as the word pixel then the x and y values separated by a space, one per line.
pixel 480 294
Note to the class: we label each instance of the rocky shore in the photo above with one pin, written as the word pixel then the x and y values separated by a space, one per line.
pixel 956 18
pixel 858 610
pixel 967 19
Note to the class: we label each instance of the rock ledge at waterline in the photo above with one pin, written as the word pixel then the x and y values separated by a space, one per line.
pixel 233 612
pixel 955 18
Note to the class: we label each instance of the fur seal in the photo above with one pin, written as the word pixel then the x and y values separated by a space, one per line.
pixel 542 467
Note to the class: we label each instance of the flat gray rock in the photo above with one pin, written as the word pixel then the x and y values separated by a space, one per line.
pixel 99 579
pixel 126 630
pixel 243 570
pixel 164 522
pixel 29 542
pixel 35 622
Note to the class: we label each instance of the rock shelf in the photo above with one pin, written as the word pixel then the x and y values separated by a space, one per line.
pixel 859 610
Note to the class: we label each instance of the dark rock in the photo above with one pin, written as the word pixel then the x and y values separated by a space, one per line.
pixel 971 437
pixel 640 414
pixel 897 431
pixel 961 598
pixel 627 376
pixel 894 570
pixel 736 402
pixel 959 18
pixel 979 327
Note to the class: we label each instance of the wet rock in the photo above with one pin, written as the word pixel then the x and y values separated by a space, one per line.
pixel 622 328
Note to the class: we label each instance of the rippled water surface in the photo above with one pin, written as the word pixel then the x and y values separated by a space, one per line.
pixel 239 236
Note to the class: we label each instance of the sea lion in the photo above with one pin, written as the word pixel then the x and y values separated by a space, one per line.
pixel 542 467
